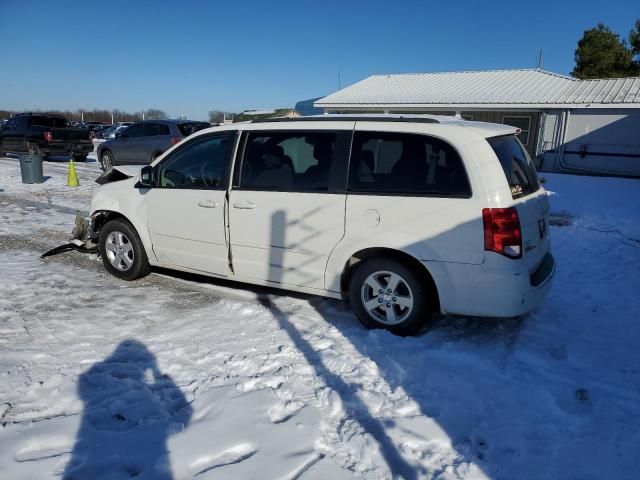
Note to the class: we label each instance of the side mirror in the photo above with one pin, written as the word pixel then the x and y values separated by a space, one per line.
pixel 147 179
pixel 117 135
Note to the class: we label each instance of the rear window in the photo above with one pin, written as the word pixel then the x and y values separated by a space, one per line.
pixel 187 129
pixel 518 167
pixel 53 122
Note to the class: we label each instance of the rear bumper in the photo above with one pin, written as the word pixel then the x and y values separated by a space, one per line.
pixel 493 289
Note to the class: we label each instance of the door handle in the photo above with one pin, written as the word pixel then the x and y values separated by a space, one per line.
pixel 245 205
pixel 208 204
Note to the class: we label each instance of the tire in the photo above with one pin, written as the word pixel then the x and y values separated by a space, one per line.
pixel 122 252
pixel 80 158
pixel 106 160
pixel 404 310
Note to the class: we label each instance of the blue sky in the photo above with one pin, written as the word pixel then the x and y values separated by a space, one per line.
pixel 189 57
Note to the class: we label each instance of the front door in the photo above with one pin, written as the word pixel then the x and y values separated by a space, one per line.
pixel 185 211
pixel 287 212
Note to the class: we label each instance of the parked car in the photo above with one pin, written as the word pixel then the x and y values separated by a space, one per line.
pixel 404 216
pixel 118 127
pixel 100 129
pixel 143 142
pixel 44 134
pixel 112 132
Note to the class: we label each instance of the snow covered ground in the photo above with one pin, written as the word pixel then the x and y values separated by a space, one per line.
pixel 182 377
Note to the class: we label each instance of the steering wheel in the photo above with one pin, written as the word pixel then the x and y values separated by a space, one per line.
pixel 173 178
pixel 206 179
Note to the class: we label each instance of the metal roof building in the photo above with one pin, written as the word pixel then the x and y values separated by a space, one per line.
pixel 588 126
pixel 530 88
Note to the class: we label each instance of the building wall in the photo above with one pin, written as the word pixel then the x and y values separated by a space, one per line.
pixel 531 137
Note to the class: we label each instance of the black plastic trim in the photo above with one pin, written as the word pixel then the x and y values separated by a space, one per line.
pixel 543 272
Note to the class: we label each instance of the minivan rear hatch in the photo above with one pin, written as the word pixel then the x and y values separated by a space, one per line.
pixel 529 198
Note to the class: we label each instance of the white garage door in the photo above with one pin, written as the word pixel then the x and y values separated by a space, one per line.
pixel 603 141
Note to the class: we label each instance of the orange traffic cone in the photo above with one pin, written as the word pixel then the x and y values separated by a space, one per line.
pixel 72 178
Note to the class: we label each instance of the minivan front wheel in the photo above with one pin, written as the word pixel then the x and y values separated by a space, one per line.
pixel 387 294
pixel 122 252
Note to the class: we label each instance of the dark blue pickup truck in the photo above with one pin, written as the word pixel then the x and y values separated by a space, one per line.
pixel 44 134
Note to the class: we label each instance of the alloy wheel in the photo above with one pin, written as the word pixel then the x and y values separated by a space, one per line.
pixel 119 251
pixel 387 297
pixel 107 161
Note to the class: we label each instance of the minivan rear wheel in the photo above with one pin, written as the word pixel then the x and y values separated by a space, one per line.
pixel 388 294
pixel 122 252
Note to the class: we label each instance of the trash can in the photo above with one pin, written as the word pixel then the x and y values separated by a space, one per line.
pixel 31 168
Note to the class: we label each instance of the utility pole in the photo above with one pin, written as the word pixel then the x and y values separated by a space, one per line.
pixel 339 78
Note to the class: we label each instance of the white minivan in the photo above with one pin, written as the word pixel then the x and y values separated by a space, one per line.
pixel 404 216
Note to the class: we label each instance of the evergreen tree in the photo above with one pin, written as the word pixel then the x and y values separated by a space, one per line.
pixel 602 54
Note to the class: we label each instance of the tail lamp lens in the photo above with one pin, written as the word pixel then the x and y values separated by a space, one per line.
pixel 502 233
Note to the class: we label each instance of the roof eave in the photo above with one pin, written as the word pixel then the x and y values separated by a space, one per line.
pixel 474 106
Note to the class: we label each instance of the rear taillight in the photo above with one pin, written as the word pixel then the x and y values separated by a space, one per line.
pixel 48 137
pixel 175 140
pixel 502 232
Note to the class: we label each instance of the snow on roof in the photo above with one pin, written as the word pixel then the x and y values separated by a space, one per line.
pixel 530 87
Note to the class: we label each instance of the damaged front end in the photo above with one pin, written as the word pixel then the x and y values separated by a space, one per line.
pixel 84 237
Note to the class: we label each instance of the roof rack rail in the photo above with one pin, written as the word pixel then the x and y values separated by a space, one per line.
pixel 348 118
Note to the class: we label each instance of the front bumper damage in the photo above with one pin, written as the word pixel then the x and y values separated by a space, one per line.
pixel 84 238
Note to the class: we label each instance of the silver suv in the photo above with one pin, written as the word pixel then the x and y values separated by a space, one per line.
pixel 143 142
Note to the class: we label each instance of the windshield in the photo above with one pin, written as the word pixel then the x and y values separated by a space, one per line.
pixel 518 167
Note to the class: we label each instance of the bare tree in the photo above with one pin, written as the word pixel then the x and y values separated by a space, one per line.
pixel 218 117
pixel 98 115
pixel 155 114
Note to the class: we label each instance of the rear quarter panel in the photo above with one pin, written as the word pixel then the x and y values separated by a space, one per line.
pixel 430 229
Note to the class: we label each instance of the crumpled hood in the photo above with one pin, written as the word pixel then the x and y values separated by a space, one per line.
pixel 120 172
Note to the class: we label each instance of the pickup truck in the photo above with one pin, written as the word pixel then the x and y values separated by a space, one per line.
pixel 44 134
